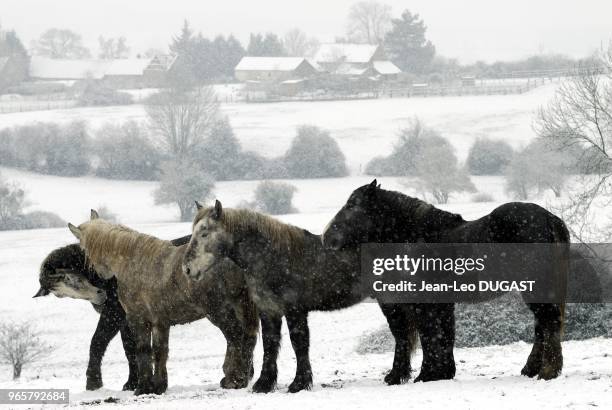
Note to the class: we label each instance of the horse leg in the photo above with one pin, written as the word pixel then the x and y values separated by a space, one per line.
pixel 106 329
pixel 142 334
pixel 436 324
pixel 297 322
pixel 129 347
pixel 534 361
pixel 160 336
pixel 549 316
pixel 400 318
pixel 271 335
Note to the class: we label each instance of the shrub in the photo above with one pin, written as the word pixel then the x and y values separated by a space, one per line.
pixel 97 94
pixel 503 321
pixel 126 152
pixel 314 154
pixel 48 148
pixel 406 151
pixel 489 157
pixel 68 151
pixel 12 199
pixel 221 154
pixel 538 167
pixel 41 220
pixel 439 173
pixel 274 197
pixel 182 183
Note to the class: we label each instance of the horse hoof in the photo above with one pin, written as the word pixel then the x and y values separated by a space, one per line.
pixel 432 377
pixel 264 385
pixel 228 383
pixel 93 384
pixel 130 385
pixel 529 371
pixel 300 383
pixel 146 389
pixel 548 373
pixel 395 377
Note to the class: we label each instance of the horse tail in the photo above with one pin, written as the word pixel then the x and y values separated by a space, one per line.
pixel 561 235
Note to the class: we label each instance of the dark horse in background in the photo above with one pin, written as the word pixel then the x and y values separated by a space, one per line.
pixel 372 214
pixel 65 273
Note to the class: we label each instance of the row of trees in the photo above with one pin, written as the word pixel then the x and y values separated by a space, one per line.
pixel 65 43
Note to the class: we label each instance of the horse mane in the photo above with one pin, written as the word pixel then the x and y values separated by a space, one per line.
pixel 422 213
pixel 124 246
pixel 280 235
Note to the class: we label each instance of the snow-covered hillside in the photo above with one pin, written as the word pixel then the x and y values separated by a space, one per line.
pixel 363 128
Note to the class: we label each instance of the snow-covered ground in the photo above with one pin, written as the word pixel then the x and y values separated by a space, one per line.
pixel 363 128
pixel 486 377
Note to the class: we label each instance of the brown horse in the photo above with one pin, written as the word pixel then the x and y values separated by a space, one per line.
pixel 156 295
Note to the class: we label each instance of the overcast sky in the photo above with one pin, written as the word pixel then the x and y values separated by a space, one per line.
pixel 468 29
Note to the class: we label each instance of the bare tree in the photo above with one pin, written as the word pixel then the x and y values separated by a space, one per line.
pixel 580 117
pixel 60 43
pixel 368 22
pixel 297 44
pixel 20 345
pixel 113 48
pixel 182 119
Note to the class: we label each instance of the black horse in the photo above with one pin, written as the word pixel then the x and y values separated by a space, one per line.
pixel 372 214
pixel 65 273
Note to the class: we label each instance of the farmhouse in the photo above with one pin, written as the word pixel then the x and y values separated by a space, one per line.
pixel 119 73
pixel 355 60
pixel 274 69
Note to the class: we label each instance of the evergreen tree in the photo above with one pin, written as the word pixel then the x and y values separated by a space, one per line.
pixel 407 45
pixel 268 46
pixel 10 44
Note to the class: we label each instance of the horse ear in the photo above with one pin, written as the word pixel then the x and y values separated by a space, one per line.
pixel 218 210
pixel 75 231
pixel 373 184
pixel 94 215
pixel 198 205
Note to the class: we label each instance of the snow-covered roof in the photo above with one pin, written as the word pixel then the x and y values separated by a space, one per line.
pixel 269 63
pixel 386 68
pixel 49 68
pixel 350 53
pixel 63 69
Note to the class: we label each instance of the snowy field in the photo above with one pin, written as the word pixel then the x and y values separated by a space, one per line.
pixel 343 379
pixel 486 377
pixel 363 128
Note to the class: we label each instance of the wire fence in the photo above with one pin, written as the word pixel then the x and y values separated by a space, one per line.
pixel 7 107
